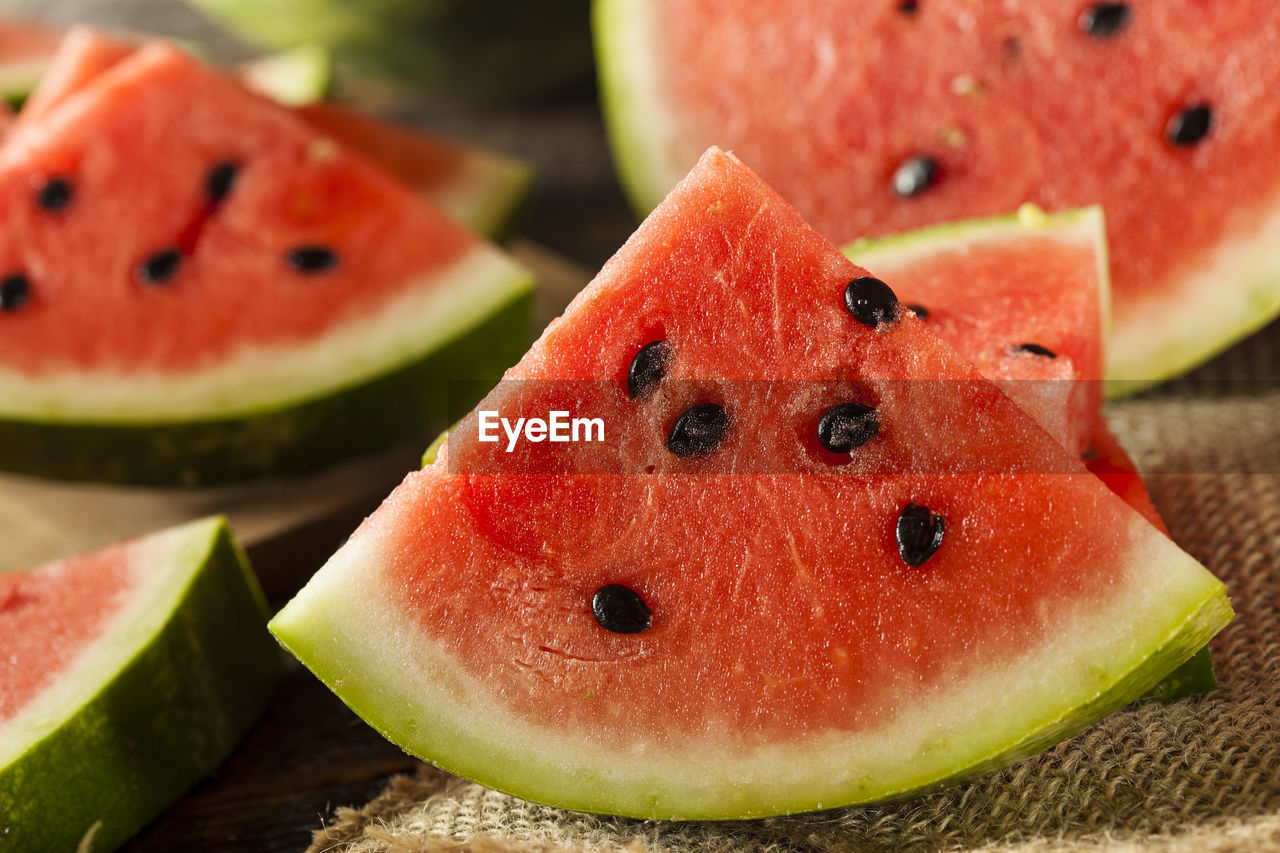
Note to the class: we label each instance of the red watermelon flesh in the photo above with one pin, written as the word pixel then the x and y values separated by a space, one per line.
pixel 49 616
pixel 988 286
pixel 294 190
pixel 1010 103
pixel 794 658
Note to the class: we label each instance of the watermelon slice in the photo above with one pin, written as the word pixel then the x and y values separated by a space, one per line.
pixel 1025 299
pixel 725 611
pixel 922 113
pixel 267 301
pixel 125 676
pixel 25 48
pixel 481 189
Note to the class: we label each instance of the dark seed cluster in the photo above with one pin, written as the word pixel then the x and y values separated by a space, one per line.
pixel 919 533
pixel 159 268
pixel 621 609
pixel 647 369
pixel 871 302
pixel 312 260
pixel 54 194
pixel 698 431
pixel 1035 349
pixel 1104 20
pixel 847 426
pixel 1190 125
pixel 15 292
pixel 915 175
pixel 220 180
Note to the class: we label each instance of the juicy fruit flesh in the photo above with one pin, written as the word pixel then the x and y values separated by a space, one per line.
pixel 1020 106
pixel 885 670
pixel 294 188
pixel 530 633
pixel 48 615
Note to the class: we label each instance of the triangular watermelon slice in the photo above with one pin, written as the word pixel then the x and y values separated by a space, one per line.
pixel 481 189
pixel 879 117
pixel 126 675
pixel 196 285
pixel 1026 299
pixel 727 609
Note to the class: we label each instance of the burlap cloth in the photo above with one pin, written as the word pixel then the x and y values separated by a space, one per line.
pixel 1198 775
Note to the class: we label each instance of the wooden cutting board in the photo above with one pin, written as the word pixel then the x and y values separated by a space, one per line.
pixel 42 520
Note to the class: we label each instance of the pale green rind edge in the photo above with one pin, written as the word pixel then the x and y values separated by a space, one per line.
pixel 401 403
pixel 325 646
pixel 185 698
pixel 632 131
pixel 495 190
pixel 294 77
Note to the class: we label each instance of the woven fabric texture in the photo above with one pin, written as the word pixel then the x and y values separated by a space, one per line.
pixel 1201 774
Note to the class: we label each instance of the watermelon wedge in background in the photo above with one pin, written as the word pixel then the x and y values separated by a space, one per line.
pixel 1025 298
pixel 25 48
pixel 811 567
pixel 267 301
pixel 918 113
pixel 481 189
pixel 126 675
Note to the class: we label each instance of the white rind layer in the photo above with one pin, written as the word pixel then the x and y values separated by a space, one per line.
pixel 1232 291
pixel 349 625
pixel 485 192
pixel 641 129
pixel 150 603
pixel 415 322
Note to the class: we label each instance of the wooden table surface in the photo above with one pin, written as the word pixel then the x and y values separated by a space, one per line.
pixel 309 754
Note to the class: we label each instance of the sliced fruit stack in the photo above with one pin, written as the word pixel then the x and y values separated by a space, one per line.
pixel 125 676
pixel 198 284
pixel 816 560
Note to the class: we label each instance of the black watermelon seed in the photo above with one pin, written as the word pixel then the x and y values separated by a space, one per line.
pixel 915 175
pixel 846 426
pixel 159 268
pixel 15 291
pixel 919 533
pixel 919 310
pixel 698 431
pixel 1035 349
pixel 871 302
pixel 55 194
pixel 312 259
pixel 620 609
pixel 220 180
pixel 909 7
pixel 1189 126
pixel 647 369
pixel 1103 20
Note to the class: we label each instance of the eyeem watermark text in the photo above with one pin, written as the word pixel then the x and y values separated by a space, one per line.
pixel 558 426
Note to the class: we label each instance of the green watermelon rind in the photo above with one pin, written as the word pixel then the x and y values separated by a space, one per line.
pixel 412 693
pixel 638 127
pixel 184 684
pixel 404 402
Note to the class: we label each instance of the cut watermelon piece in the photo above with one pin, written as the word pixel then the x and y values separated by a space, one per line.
pixel 989 287
pixel 732 621
pixel 1022 297
pixel 914 115
pixel 126 675
pixel 481 189
pixel 267 301
pixel 25 48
